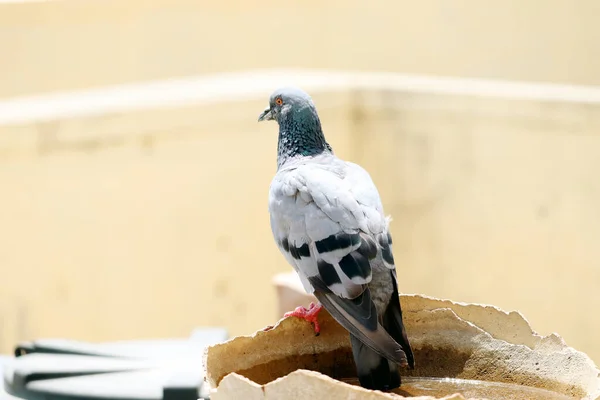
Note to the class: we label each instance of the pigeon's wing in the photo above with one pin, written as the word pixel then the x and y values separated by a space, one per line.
pixel 327 220
pixel 321 227
pixel 364 191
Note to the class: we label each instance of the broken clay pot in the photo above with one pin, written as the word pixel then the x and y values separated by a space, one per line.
pixel 461 351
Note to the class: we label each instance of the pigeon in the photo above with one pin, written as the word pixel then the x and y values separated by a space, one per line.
pixel 328 221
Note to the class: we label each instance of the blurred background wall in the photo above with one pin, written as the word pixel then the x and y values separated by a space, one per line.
pixel 121 222
pixel 67 44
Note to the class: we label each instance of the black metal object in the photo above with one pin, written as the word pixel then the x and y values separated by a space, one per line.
pixel 169 369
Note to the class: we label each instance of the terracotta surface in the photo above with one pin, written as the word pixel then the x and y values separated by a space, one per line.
pixel 454 340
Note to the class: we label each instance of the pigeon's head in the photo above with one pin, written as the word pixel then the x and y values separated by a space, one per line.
pixel 288 101
pixel 300 133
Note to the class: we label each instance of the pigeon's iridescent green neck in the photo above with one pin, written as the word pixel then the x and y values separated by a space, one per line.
pixel 300 134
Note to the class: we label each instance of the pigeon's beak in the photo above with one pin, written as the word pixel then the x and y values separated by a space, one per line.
pixel 266 115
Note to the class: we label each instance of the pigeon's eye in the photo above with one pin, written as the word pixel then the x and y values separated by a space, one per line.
pixel 278 101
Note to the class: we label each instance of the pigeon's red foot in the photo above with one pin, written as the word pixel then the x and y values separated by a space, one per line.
pixel 309 314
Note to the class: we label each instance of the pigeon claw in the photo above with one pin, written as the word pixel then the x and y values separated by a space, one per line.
pixel 309 314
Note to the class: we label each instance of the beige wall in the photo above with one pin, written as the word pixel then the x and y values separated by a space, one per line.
pixel 150 223
pixel 495 201
pixel 60 45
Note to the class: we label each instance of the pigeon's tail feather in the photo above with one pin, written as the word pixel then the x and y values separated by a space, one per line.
pixel 393 324
pixel 377 372
pixel 359 317
pixel 374 371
